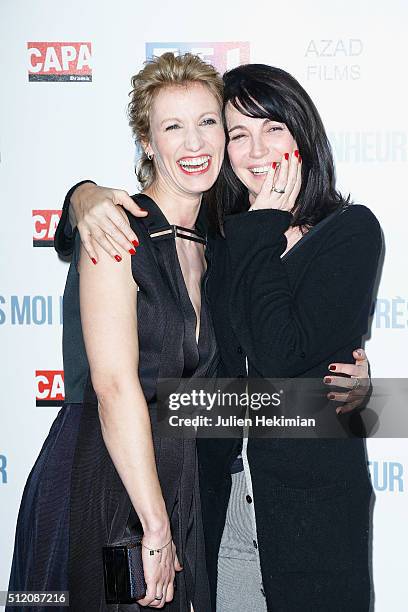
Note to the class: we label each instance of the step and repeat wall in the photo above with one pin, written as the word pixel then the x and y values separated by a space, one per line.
pixel 66 71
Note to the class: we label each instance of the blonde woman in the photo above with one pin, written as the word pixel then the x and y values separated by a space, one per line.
pixel 124 328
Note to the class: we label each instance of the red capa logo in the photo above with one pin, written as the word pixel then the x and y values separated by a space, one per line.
pixel 44 225
pixel 50 390
pixel 59 61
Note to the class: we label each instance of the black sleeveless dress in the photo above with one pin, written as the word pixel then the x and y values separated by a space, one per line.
pixel 74 501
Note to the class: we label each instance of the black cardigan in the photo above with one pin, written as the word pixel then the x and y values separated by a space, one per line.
pixel 292 316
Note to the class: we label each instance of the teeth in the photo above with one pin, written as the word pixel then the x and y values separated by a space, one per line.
pixel 198 161
pixel 260 170
pixel 196 168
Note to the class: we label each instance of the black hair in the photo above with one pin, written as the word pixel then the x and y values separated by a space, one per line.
pixel 262 91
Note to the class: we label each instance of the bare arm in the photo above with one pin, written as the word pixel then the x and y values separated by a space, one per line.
pixel 108 314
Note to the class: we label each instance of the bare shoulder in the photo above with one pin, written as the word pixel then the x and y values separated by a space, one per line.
pixel 108 273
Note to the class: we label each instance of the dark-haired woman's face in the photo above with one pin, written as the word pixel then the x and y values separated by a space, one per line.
pixel 254 144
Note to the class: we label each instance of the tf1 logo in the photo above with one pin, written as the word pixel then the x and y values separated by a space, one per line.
pixel 59 61
pixel 222 55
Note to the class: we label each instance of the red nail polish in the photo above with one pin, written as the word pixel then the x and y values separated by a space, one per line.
pixel 286 156
pixel 94 260
pixel 331 396
pixel 296 153
pixel 274 165
pixel 135 242
pixel 332 368
pixel 327 380
pixel 132 251
pixel 143 209
pixel 118 258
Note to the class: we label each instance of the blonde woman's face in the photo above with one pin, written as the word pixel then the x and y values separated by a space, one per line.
pixel 187 138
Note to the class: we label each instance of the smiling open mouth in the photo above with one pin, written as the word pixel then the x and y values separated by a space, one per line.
pixel 194 165
pixel 259 170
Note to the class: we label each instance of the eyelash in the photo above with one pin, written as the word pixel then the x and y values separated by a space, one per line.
pixel 274 128
pixel 208 121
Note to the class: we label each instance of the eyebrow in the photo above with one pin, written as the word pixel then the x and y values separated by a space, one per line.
pixel 202 115
pixel 243 127
pixel 236 127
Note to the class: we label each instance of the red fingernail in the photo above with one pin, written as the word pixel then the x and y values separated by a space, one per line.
pixel 331 396
pixel 332 368
pixel 327 380
pixel 132 251
pixel 143 210
pixel 274 165
pixel 296 153
pixel 135 242
pixel 118 258
pixel 286 156
pixel 94 260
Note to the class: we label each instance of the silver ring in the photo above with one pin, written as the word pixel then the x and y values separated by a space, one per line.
pixel 278 190
pixel 356 383
pixel 158 598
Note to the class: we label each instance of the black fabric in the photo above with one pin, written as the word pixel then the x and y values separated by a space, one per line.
pixel 67 244
pixel 41 547
pixel 292 317
pixel 96 505
pixel 167 349
pixel 64 235
pixel 73 347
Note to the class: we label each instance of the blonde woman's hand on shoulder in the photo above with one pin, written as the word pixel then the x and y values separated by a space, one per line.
pixel 98 214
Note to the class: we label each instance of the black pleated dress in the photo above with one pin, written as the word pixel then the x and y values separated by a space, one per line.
pixel 74 501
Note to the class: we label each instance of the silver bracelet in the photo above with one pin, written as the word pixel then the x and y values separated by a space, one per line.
pixel 156 550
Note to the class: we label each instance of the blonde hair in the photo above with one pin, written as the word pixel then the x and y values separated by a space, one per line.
pixel 160 72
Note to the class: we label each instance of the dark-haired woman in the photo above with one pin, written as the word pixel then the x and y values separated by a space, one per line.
pixel 290 283
pixel 291 291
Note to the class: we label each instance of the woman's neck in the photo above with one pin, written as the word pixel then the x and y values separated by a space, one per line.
pixel 178 208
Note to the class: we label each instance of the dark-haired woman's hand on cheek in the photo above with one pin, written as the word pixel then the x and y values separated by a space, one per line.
pixel 282 184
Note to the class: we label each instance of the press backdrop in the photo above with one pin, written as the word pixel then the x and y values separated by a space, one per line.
pixel 66 70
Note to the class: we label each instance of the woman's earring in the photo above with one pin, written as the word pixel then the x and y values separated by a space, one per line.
pixel 149 156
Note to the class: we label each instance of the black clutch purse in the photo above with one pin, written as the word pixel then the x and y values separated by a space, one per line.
pixel 123 566
pixel 123 571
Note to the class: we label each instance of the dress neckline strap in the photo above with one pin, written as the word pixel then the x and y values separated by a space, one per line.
pixel 157 225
